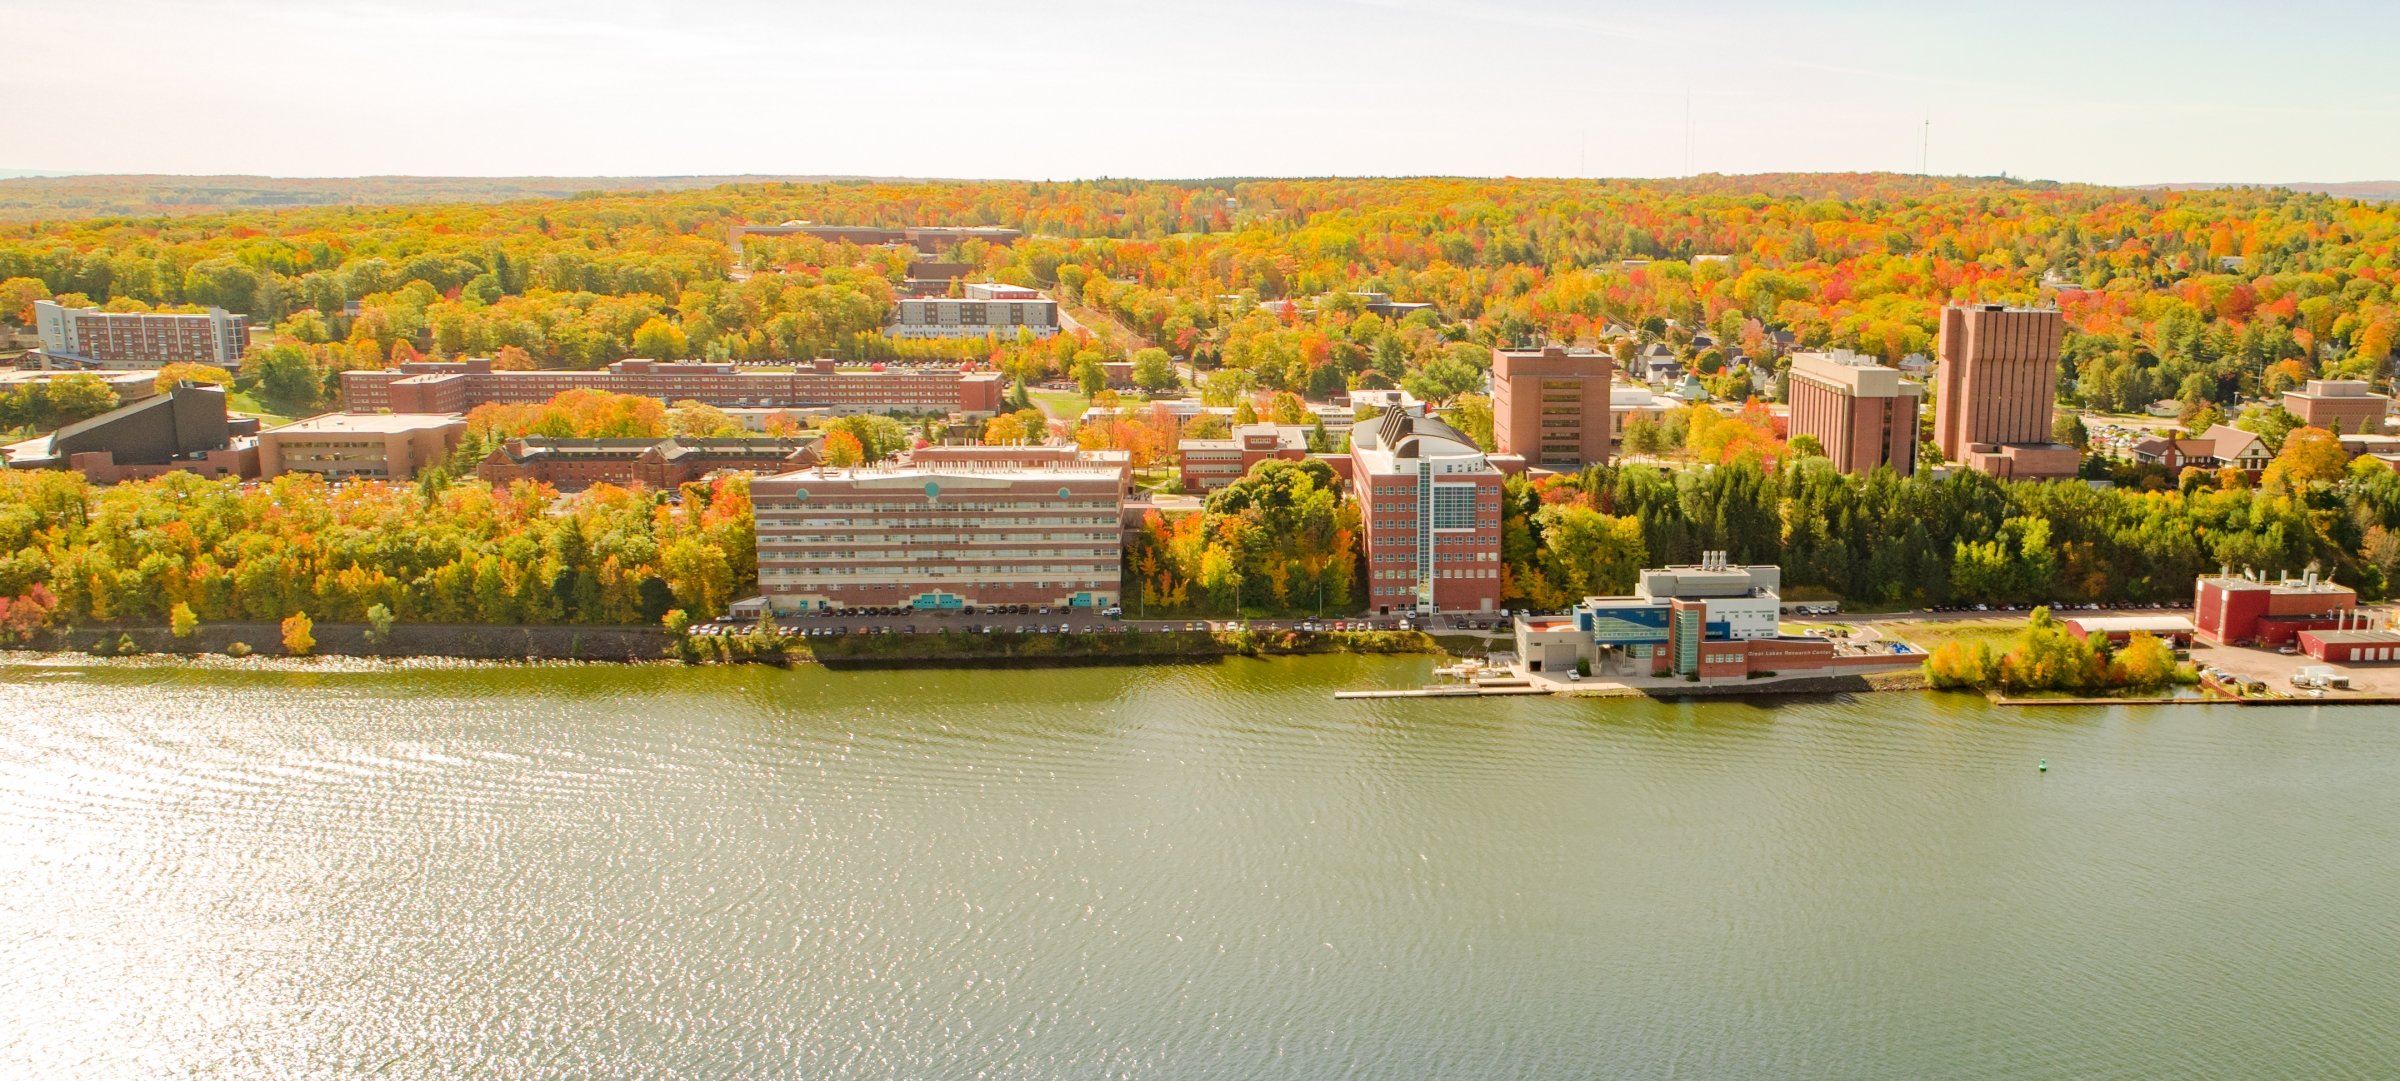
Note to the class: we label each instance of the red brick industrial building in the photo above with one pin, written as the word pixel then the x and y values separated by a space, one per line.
pixel 459 385
pixel 2238 610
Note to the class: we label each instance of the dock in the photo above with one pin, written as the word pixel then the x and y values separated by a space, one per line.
pixel 1451 691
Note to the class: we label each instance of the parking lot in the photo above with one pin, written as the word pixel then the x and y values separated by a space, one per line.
pixel 2274 670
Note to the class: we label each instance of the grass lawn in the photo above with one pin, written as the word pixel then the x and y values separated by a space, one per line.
pixel 1060 404
pixel 240 402
pixel 2001 632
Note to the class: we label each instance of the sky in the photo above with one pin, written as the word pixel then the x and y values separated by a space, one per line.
pixel 2104 91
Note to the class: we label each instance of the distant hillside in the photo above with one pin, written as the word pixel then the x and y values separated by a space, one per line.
pixel 2372 190
pixel 23 198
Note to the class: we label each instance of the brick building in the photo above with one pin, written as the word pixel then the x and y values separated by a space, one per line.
pixel 1552 405
pixel 359 446
pixel 2231 609
pixel 460 385
pixel 1210 464
pixel 1997 380
pixel 941 536
pixel 1430 501
pixel 1863 413
pixel 2339 406
pixel 571 465
pixel 141 339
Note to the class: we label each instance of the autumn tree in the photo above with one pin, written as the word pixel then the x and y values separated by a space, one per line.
pixel 299 634
pixel 840 449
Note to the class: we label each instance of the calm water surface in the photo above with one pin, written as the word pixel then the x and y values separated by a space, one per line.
pixel 1208 872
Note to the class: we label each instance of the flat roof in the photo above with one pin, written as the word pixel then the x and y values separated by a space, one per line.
pixel 2356 637
pixel 2173 624
pixel 366 423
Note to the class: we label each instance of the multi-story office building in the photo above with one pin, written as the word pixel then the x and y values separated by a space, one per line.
pixel 987 308
pixel 941 536
pixel 2339 405
pixel 359 446
pixel 1210 464
pixel 140 339
pixel 1861 412
pixel 460 385
pixel 1552 405
pixel 1997 378
pixel 1430 500
pixel 571 465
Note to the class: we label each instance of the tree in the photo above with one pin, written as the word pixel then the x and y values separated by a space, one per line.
pixel 840 449
pixel 181 622
pixel 75 397
pixel 661 339
pixel 1806 445
pixel 1005 430
pixel 512 358
pixel 1090 377
pixel 1153 369
pixel 2309 456
pixel 1472 414
pixel 188 372
pixel 878 437
pixel 287 381
pixel 379 623
pixel 1442 379
pixel 298 634
pixel 17 296
pixel 2068 429
pixel 699 420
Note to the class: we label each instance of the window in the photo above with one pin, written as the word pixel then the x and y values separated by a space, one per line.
pixel 1453 506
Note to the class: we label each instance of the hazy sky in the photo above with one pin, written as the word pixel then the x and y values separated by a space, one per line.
pixel 2098 90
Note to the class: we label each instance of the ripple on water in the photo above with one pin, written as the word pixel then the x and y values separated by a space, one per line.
pixel 1205 871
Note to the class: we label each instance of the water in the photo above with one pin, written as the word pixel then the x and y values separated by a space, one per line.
pixel 1211 871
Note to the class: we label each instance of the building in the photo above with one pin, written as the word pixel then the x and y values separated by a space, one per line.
pixel 941 536
pixel 372 446
pixel 141 339
pixel 933 277
pixel 2361 639
pixel 1026 456
pixel 921 237
pixel 1210 464
pixel 184 430
pixel 987 308
pixel 1382 305
pixel 428 386
pixel 1552 405
pixel 1628 403
pixel 571 465
pixel 1996 379
pixel 2338 405
pixel 1711 620
pixel 2242 610
pixel 1861 412
pixel 1430 501
pixel 2175 631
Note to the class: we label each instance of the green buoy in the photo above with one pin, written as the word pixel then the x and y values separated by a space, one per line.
pixel 2042 766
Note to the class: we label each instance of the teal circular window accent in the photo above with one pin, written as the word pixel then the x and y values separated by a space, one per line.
pixel 799 493
pixel 933 489
pixel 1065 494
